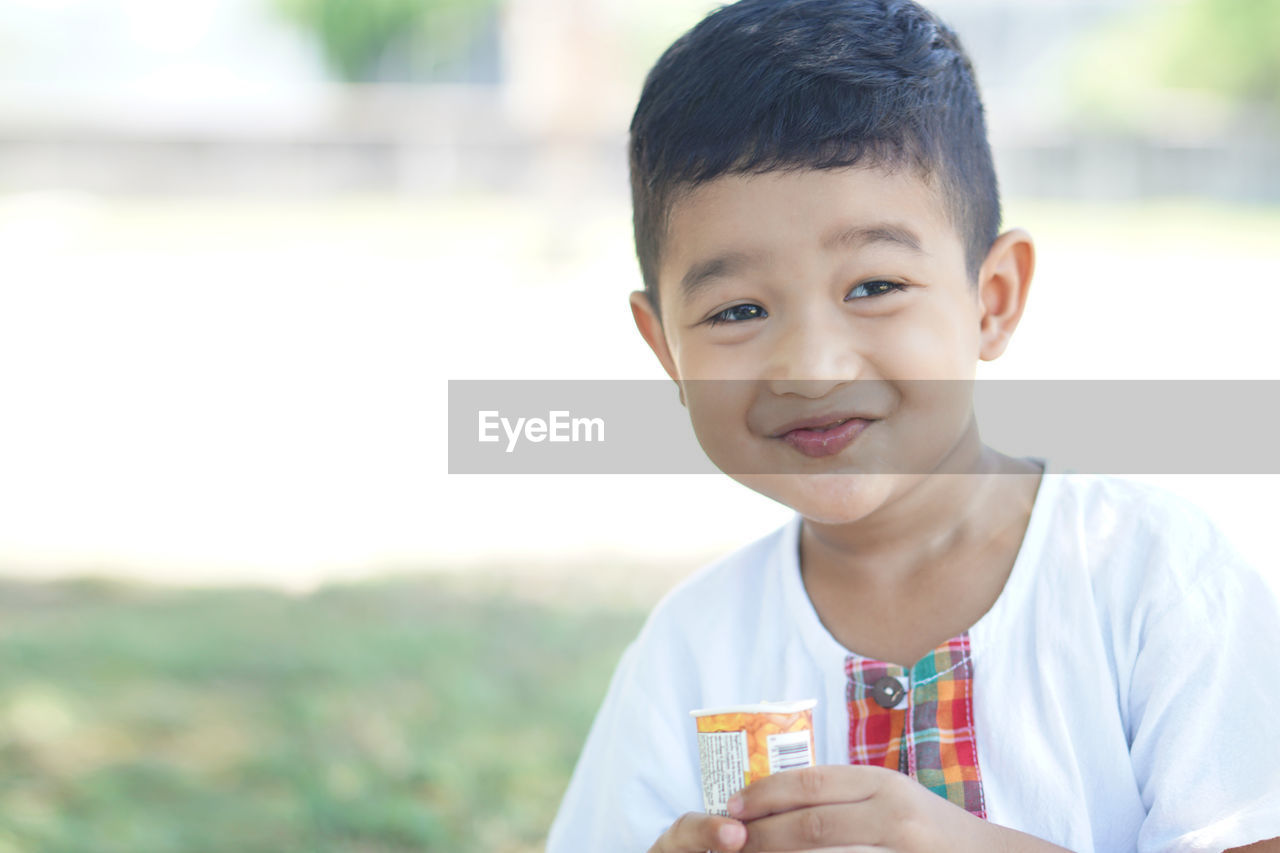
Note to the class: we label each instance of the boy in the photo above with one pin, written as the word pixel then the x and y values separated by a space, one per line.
pixel 1006 658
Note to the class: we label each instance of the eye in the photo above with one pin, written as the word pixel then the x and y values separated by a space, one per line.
pixel 874 288
pixel 736 314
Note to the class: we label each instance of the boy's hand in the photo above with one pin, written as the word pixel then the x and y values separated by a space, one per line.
pixel 860 809
pixel 696 832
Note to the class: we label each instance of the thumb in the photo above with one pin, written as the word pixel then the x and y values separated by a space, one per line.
pixel 696 832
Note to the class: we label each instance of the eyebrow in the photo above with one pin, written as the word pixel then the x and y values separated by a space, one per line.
pixel 880 232
pixel 857 236
pixel 720 266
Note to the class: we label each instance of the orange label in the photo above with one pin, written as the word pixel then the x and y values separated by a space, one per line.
pixel 739 745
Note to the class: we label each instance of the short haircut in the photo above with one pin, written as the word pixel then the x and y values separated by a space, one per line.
pixel 776 85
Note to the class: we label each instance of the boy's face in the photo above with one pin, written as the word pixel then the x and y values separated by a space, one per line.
pixel 826 295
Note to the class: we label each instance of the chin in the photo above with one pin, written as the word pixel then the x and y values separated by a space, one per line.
pixel 828 498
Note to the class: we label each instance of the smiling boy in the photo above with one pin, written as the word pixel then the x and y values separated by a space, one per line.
pixel 817 225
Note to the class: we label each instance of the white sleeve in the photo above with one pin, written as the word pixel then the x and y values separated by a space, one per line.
pixel 1204 701
pixel 635 775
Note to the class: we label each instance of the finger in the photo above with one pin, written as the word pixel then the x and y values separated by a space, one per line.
pixel 844 848
pixel 852 826
pixel 696 832
pixel 810 786
pixel 854 848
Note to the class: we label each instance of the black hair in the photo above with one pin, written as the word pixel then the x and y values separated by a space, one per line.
pixel 771 85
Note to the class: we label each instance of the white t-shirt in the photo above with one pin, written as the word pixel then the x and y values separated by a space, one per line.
pixel 1125 684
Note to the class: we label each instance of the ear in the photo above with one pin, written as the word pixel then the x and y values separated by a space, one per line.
pixel 650 327
pixel 1003 283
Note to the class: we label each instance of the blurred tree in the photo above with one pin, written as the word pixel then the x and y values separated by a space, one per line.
pixel 1228 46
pixel 1188 60
pixel 356 34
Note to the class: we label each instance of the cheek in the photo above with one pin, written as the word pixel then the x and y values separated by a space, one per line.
pixel 942 343
pixel 698 360
pixel 717 411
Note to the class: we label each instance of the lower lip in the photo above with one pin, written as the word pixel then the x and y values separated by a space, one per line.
pixel 825 442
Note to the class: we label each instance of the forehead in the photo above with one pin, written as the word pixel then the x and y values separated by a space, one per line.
pixel 786 214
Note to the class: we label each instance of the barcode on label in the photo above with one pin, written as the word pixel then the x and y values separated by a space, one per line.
pixel 788 751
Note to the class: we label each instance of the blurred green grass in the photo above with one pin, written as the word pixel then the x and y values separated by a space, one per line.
pixel 392 715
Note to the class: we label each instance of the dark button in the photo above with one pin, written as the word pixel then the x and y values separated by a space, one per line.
pixel 888 692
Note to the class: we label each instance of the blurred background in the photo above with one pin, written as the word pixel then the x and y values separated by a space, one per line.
pixel 245 245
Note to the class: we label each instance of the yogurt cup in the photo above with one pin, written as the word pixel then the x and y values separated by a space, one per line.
pixel 738 744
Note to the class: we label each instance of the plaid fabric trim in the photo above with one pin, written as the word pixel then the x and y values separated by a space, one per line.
pixel 929 735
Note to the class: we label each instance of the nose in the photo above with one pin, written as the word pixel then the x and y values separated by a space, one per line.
pixel 813 354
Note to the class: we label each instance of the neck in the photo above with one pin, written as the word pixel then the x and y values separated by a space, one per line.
pixel 965 503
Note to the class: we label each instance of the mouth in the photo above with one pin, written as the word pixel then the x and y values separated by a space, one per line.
pixel 823 436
